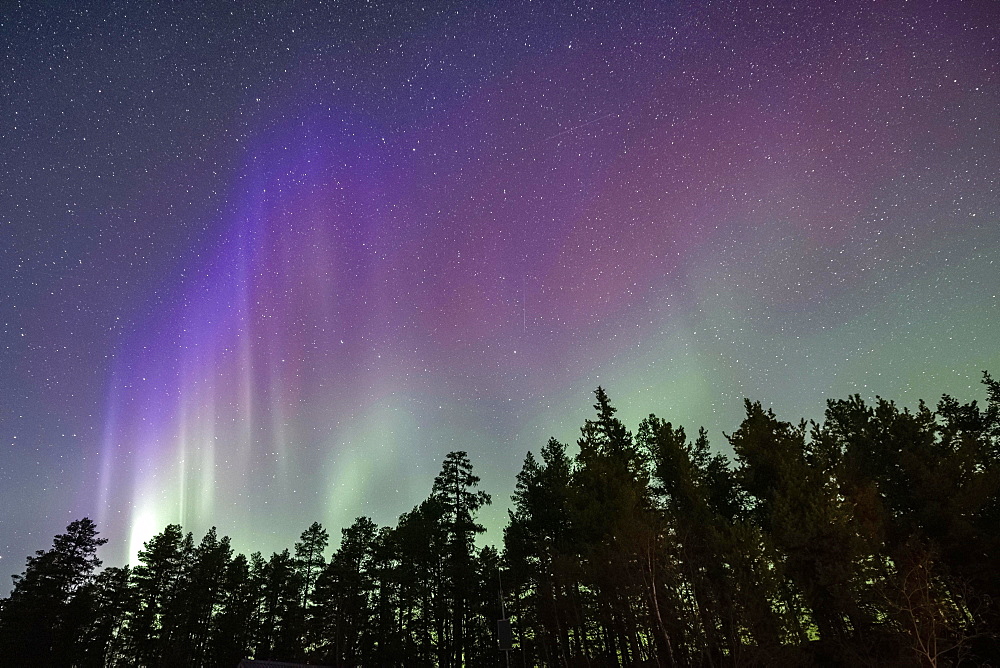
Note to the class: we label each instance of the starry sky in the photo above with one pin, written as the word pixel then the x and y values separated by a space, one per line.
pixel 264 264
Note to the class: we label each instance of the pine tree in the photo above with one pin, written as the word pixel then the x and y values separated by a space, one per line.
pixel 455 489
pixel 799 505
pixel 536 539
pixel 38 623
pixel 157 580
pixel 309 564
pixel 201 593
pixel 343 597
pixel 685 478
pixel 309 559
pixel 235 625
pixel 420 545
pixel 615 529
pixel 111 598
pixel 281 610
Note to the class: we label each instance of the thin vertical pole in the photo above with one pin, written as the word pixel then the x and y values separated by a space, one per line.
pixel 503 613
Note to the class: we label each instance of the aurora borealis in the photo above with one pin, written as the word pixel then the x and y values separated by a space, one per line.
pixel 266 265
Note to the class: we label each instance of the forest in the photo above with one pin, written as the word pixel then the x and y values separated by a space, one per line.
pixel 868 538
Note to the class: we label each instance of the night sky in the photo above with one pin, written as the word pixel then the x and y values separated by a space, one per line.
pixel 265 264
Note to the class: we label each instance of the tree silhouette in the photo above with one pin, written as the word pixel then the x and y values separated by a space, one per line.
pixel 38 622
pixel 455 490
pixel 868 538
pixel 341 627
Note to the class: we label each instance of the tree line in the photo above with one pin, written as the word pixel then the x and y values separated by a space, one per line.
pixel 869 538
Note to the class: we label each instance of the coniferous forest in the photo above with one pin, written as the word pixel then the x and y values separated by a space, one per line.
pixel 869 538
